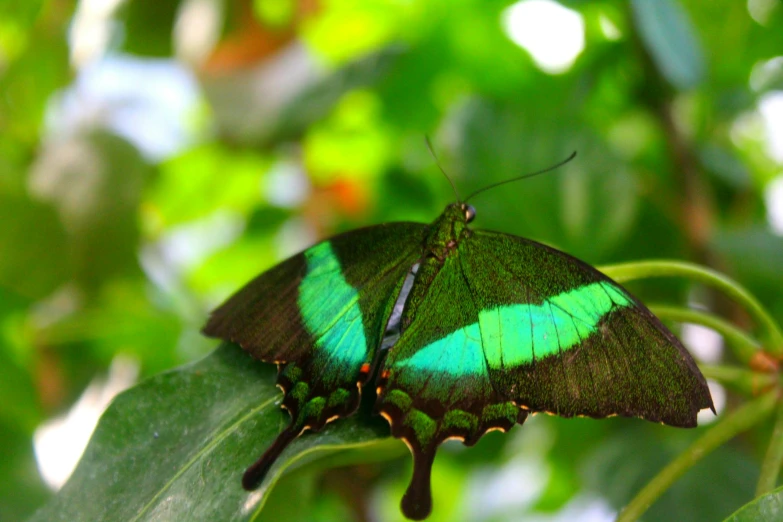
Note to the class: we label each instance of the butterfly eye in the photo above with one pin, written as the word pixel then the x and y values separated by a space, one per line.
pixel 470 213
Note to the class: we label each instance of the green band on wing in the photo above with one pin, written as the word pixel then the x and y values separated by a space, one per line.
pixel 459 353
pixel 513 335
pixel 331 313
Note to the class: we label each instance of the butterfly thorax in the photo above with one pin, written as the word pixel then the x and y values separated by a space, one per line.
pixel 441 241
pixel 447 231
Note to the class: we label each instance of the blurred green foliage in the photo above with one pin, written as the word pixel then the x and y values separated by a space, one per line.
pixel 309 120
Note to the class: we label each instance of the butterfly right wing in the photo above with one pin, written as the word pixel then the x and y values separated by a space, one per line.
pixel 503 327
pixel 561 337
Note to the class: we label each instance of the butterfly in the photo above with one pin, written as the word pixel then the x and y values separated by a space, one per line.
pixel 488 327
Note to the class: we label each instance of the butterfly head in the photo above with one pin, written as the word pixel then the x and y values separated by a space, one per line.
pixel 459 212
pixel 450 226
pixel 469 211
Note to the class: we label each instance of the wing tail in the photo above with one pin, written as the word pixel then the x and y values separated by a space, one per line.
pixel 255 474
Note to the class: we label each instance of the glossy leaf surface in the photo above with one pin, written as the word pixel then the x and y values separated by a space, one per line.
pixel 766 507
pixel 174 447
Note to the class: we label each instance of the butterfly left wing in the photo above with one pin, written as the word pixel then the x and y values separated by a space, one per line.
pixel 504 326
pixel 320 315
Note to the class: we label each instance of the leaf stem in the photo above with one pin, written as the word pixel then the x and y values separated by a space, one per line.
pixel 734 423
pixel 747 382
pixel 770 466
pixel 772 337
pixel 745 347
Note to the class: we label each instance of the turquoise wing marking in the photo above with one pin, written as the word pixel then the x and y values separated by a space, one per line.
pixel 512 335
pixel 331 313
pixel 457 354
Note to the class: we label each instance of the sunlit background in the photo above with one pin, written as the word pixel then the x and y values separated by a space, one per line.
pixel 155 155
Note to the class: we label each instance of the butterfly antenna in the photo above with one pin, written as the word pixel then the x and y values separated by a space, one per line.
pixel 432 151
pixel 553 167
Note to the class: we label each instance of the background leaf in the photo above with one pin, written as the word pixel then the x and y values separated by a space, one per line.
pixel 765 507
pixel 666 31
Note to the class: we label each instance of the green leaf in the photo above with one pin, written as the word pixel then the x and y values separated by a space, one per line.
pixel 753 253
pixel 95 181
pixel 765 507
pixel 26 266
pixel 669 36
pixel 242 119
pixel 22 13
pixel 21 489
pixel 585 208
pixel 29 50
pixel 175 446
pixel 618 469
pixel 148 26
pixel 199 192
